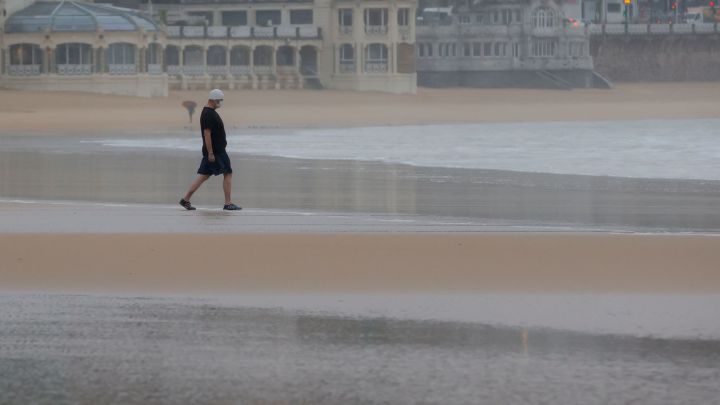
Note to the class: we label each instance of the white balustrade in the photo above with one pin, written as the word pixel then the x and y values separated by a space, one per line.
pixel 122 69
pixel 240 32
pixel 346 30
pixel 637 29
pixel 24 70
pixel 286 32
pixel 217 70
pixel 217 32
pixel 154 69
pixel 376 29
pixel 239 70
pixel 173 31
pixel 376 67
pixel 682 28
pixel 347 67
pixel 66 69
pixel 174 69
pixel 193 32
pixel 263 69
pixel 704 28
pixel 615 29
pixel 264 32
pixel 194 70
pixel 309 32
pixel 659 28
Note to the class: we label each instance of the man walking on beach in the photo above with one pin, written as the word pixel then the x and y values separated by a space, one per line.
pixel 215 160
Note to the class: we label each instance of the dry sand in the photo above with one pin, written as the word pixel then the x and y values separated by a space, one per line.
pixel 142 263
pixel 91 113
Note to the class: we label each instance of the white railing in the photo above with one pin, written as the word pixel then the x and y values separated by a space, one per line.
pixel 615 29
pixel 24 70
pixel 704 28
pixel 346 29
pixel 122 69
pixel 376 67
pixel 263 69
pixel 654 29
pixel 74 69
pixel 155 69
pixel 264 32
pixel 637 29
pixel 682 28
pixel 404 31
pixel 286 32
pixel 217 32
pixel 660 28
pixel 193 32
pixel 240 32
pixel 469 29
pixel 217 70
pixel 347 67
pixel 288 70
pixel 239 70
pixel 193 70
pixel 376 29
pixel 595 29
pixel 309 32
pixel 174 69
pixel 173 31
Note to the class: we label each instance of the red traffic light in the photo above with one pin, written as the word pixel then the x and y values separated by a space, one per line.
pixel 711 4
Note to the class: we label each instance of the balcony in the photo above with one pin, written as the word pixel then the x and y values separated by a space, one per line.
pixel 240 70
pixel 376 67
pixel 72 70
pixel 24 70
pixel 174 70
pixel 347 67
pixel 345 29
pixel 122 69
pixel 217 70
pixel 154 69
pixel 217 32
pixel 244 32
pixel 376 29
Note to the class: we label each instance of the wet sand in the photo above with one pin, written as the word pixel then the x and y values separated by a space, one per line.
pixel 152 350
pixel 64 113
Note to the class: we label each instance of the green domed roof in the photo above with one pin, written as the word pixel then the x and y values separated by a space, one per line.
pixel 76 16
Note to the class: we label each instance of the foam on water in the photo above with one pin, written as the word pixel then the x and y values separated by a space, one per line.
pixel 675 149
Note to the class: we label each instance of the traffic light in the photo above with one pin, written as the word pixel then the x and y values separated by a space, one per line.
pixel 673 5
pixel 711 3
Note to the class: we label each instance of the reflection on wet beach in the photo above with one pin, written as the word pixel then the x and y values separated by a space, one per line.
pixel 351 186
pixel 81 349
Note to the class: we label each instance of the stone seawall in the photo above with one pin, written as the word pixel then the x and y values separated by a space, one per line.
pixel 657 57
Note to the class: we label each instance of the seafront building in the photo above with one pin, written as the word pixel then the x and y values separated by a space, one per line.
pixel 491 43
pixel 202 44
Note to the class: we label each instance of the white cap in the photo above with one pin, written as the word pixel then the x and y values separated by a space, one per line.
pixel 216 94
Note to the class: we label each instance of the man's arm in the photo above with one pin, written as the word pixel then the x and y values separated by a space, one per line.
pixel 208 144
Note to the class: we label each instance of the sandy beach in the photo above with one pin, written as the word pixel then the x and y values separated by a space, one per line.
pixel 94 114
pixel 482 263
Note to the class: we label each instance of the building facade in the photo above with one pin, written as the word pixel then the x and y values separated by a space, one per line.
pixel 79 46
pixel 203 44
pixel 338 44
pixel 511 43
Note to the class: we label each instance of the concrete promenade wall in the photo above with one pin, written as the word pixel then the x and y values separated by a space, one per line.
pixel 635 58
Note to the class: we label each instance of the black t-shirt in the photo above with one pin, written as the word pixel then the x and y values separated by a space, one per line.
pixel 210 119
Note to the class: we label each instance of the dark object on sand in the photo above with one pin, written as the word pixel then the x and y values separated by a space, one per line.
pixel 190 107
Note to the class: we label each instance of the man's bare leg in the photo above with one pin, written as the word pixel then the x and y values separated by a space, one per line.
pixel 227 187
pixel 196 185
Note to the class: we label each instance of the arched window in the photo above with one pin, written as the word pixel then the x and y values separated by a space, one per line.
pixel 74 59
pixel 376 57
pixel 286 56
pixel 121 59
pixel 216 55
pixel 543 17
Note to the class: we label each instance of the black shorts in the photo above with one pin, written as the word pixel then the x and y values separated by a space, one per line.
pixel 220 166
